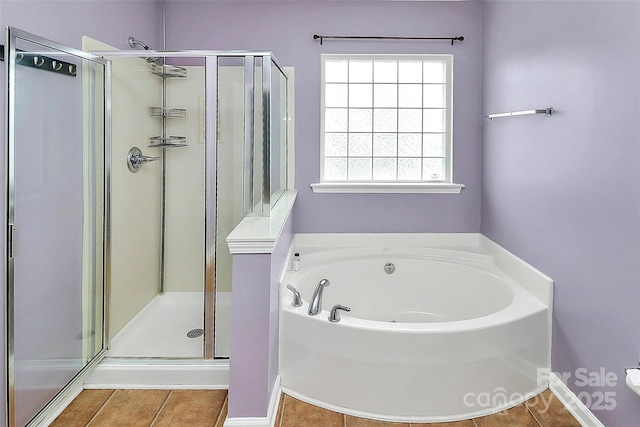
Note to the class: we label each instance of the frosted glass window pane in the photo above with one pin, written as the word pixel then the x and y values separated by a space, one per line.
pixel 384 144
pixel 335 144
pixel 360 120
pixel 335 169
pixel 360 144
pixel 410 120
pixel 361 95
pixel 384 169
pixel 434 72
pixel 385 96
pixel 385 71
pixel 335 95
pixel 360 71
pixel 433 145
pixel 410 96
pixel 335 119
pixel 410 71
pixel 434 121
pixel 336 71
pixel 359 169
pixel 409 170
pixel 433 169
pixel 409 145
pixel 385 120
pixel 434 96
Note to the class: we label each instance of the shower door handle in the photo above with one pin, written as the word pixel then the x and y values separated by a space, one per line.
pixel 135 159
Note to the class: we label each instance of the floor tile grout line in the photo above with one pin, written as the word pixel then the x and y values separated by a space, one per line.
pixel 533 415
pixel 113 392
pixel 225 402
pixel 161 408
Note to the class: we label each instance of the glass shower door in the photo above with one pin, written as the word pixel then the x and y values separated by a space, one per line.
pixel 58 135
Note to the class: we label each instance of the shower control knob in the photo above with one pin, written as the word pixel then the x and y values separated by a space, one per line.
pixel 135 159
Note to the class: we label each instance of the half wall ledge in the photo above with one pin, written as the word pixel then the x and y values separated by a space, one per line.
pixel 259 234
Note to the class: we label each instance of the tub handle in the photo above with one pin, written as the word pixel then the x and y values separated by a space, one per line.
pixel 297 300
pixel 334 316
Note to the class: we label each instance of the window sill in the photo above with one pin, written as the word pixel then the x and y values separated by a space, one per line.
pixel 387 187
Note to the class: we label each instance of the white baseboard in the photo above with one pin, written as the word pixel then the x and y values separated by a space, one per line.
pixel 574 405
pixel 267 421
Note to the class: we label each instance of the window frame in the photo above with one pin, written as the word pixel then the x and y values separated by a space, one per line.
pixel 445 185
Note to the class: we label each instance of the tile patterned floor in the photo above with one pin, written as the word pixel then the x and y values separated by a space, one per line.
pixel 195 408
pixel 144 408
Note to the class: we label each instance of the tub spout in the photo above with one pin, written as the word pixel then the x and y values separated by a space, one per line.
pixel 316 301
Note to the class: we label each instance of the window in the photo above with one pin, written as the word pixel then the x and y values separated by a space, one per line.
pixel 386 123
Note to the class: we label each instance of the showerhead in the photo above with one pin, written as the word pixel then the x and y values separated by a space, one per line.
pixel 133 42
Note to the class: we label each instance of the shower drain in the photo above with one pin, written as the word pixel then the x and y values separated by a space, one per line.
pixel 195 333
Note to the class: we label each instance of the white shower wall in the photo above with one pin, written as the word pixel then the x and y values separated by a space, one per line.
pixel 135 198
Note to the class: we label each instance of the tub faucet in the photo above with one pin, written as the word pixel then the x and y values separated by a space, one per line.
pixel 334 317
pixel 316 301
pixel 297 300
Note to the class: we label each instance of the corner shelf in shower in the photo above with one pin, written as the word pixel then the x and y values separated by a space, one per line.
pixel 169 113
pixel 163 141
pixel 168 142
pixel 168 71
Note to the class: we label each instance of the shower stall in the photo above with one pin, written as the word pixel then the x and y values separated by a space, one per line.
pixel 174 149
pixel 209 125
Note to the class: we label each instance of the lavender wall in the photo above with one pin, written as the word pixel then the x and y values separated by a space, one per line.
pixel 287 27
pixel 254 328
pixel 249 360
pixel 66 22
pixel 563 192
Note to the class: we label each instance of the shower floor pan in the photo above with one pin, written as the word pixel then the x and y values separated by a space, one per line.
pixel 153 351
pixel 161 328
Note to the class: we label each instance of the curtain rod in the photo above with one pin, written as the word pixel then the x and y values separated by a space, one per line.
pixel 316 37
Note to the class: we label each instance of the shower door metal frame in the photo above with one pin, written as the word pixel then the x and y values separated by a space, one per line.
pixel 12 35
pixel 210 200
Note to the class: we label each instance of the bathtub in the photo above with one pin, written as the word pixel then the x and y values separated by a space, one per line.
pixel 448 335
